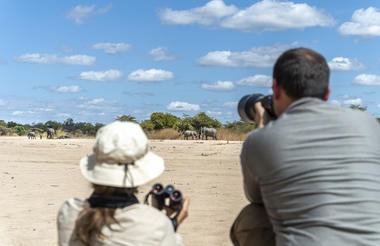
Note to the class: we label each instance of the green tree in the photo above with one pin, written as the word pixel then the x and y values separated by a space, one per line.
pixel 185 124
pixel 126 118
pixel 147 125
pixel 240 126
pixel 53 124
pixel 19 130
pixel 3 123
pixel 11 124
pixel 68 125
pixel 203 120
pixel 161 120
pixel 358 107
pixel 97 126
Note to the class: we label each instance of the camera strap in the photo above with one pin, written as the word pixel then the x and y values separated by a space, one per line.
pixel 97 200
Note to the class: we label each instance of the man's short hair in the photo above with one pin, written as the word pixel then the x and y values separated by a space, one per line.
pixel 302 72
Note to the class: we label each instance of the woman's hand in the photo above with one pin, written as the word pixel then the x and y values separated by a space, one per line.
pixel 171 213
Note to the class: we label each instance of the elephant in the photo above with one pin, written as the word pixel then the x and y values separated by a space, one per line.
pixel 188 134
pixel 207 132
pixel 50 133
pixel 31 135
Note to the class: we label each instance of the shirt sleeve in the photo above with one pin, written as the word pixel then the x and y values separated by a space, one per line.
pixel 250 181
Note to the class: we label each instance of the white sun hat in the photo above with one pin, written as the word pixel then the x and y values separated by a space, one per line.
pixel 121 157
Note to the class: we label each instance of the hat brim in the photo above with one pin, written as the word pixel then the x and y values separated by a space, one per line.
pixel 142 171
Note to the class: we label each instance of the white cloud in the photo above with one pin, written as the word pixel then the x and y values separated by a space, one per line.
pixel 264 56
pixel 230 104
pixel 161 54
pixel 378 105
pixel 67 89
pixel 45 109
pixel 274 15
pixel 79 13
pixel 111 48
pixel 2 102
pixel 364 22
pixel 17 112
pixel 92 104
pixel 54 59
pixel 258 80
pixel 345 64
pixel 354 101
pixel 107 75
pixel 213 112
pixel 151 75
pixel 182 106
pixel 219 86
pixel 96 101
pixel 335 102
pixel 263 15
pixel 205 15
pixel 63 115
pixel 367 79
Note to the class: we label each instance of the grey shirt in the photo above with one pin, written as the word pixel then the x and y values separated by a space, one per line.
pixel 317 170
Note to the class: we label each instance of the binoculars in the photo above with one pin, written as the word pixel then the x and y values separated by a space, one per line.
pixel 246 106
pixel 168 196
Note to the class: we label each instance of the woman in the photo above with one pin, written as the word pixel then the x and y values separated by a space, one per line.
pixel 121 162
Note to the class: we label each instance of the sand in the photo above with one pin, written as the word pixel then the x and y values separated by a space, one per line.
pixel 38 175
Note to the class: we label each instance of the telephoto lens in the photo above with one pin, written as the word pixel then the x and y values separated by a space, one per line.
pixel 246 106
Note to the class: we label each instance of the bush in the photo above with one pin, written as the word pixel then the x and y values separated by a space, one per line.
pixel 20 130
pixel 4 131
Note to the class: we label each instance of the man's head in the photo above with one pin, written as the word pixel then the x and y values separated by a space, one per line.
pixel 299 73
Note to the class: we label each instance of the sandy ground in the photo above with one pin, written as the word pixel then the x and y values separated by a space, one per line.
pixel 38 175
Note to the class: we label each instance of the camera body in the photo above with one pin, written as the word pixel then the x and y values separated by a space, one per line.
pixel 246 106
pixel 161 194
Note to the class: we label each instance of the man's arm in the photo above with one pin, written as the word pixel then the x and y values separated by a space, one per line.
pixel 250 181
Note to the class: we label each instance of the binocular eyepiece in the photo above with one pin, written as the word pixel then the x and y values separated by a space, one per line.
pixel 246 106
pixel 161 194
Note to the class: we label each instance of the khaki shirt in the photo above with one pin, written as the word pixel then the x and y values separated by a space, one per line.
pixel 140 225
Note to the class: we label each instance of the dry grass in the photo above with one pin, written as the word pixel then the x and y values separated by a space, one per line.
pixel 222 134
pixel 164 134
pixel 229 134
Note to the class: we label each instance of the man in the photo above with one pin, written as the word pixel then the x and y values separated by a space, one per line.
pixel 315 169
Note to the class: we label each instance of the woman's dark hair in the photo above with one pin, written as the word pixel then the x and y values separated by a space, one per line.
pixel 302 72
pixel 90 221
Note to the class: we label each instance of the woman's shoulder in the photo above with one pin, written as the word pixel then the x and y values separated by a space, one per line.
pixel 70 209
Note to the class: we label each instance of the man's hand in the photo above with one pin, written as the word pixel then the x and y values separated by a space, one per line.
pixel 261 117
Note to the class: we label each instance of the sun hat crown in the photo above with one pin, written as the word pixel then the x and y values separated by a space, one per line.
pixel 121 157
pixel 120 142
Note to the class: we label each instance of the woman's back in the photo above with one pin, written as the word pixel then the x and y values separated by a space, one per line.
pixel 138 225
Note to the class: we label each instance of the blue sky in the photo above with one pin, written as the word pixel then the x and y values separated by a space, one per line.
pixel 95 60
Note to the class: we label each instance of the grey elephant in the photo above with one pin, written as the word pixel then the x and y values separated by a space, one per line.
pixel 206 132
pixel 31 135
pixel 50 133
pixel 188 134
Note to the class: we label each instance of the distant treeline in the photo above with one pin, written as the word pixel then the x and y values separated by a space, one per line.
pixel 159 125
pixel 158 121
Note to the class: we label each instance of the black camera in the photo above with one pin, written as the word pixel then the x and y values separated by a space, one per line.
pixel 246 106
pixel 168 196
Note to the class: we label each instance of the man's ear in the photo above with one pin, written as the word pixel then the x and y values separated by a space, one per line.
pixel 327 94
pixel 276 90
